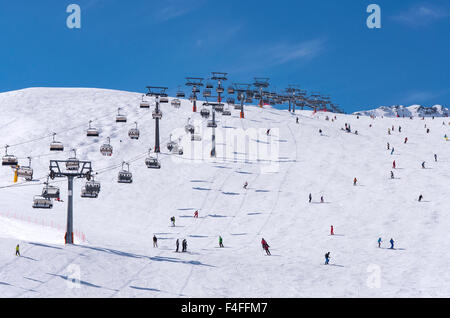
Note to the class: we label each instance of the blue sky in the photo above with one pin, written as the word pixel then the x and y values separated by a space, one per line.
pixel 321 45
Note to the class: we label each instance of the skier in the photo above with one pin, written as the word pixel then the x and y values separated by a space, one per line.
pixel 178 245
pixel 392 152
pixel 327 258
pixel 245 185
pixel 184 243
pixel 394 165
pixel 388 146
pixel 172 219
pixel 420 198
pixel 435 157
pixel 268 132
pixel 220 241
pixel 310 197
pixel 428 130
pixel 297 120
pixel 265 246
pixel 389 131
pixel 392 243
pixel 406 140
pixel 155 241
pixel 379 242
pixel 332 230
pixel 196 214
pixel 423 165
pixel 399 128
pixel 355 181
pixel 392 175
pixel 321 199
pixel 320 132
pixel 17 250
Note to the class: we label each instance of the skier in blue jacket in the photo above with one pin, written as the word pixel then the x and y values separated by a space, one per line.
pixel 379 242
pixel 392 243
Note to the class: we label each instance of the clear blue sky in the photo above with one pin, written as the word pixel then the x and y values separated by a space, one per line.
pixel 320 45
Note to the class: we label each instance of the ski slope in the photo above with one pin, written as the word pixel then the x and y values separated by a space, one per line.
pixel 114 256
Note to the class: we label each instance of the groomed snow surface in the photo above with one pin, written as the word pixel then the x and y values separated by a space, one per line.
pixel 114 256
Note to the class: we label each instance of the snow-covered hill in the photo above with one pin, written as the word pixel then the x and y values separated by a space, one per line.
pixel 410 111
pixel 114 256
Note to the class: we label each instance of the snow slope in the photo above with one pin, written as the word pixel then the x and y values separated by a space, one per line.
pixel 114 256
pixel 410 111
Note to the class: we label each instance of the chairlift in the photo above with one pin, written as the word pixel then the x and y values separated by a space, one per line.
pixel 230 101
pixel 40 202
pixel 56 145
pixel 176 103
pixel 171 144
pixel 88 194
pixel 209 85
pixel 163 100
pixel 50 192
pixel 189 128
pixel 25 171
pixel 226 112
pixel 152 162
pixel 181 94
pixel 230 90
pixel 196 137
pixel 238 107
pixel 157 114
pixel 207 93
pixel 73 164
pixel 196 90
pixel 212 124
pixel 9 160
pixel 120 118
pixel 107 149
pixel 205 112
pixel 220 89
pixel 125 176
pixel 92 132
pixel 134 132
pixel 93 186
pixel 144 103
pixel 218 108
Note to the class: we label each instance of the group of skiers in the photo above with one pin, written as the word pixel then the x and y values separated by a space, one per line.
pixel 183 246
pixel 391 241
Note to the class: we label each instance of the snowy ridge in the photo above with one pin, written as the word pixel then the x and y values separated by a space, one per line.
pixel 410 111
pixel 117 258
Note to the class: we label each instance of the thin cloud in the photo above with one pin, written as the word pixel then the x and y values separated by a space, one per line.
pixel 421 15
pixel 173 9
pixel 422 96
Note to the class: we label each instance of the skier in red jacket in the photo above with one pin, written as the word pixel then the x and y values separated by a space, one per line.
pixel 332 230
pixel 393 165
pixel 265 246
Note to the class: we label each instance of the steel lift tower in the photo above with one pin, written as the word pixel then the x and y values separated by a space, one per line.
pixel 261 83
pixel 195 83
pixel 72 168
pixel 220 78
pixel 241 90
pixel 160 97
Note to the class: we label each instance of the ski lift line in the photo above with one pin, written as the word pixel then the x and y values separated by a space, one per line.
pixel 58 133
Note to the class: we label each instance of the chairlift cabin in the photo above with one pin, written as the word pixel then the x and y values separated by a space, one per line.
pixel 226 112
pixel 134 132
pixel 56 145
pixel 50 192
pixel 196 137
pixel 249 93
pixel 25 172
pixel 207 93
pixel 107 149
pixel 157 114
pixel 73 164
pixel 257 96
pixel 218 108
pixel 195 90
pixel 205 112
pixel 171 144
pixel 40 202
pixel 93 186
pixel 92 132
pixel 238 107
pixel 220 89
pixel 189 128
pixel 125 176
pixel 144 103
pixel 152 162
pixel 209 85
pixel 230 90
pixel 85 193
pixel 181 94
pixel 120 118
pixel 212 124
pixel 9 160
pixel 163 100
pixel 176 103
